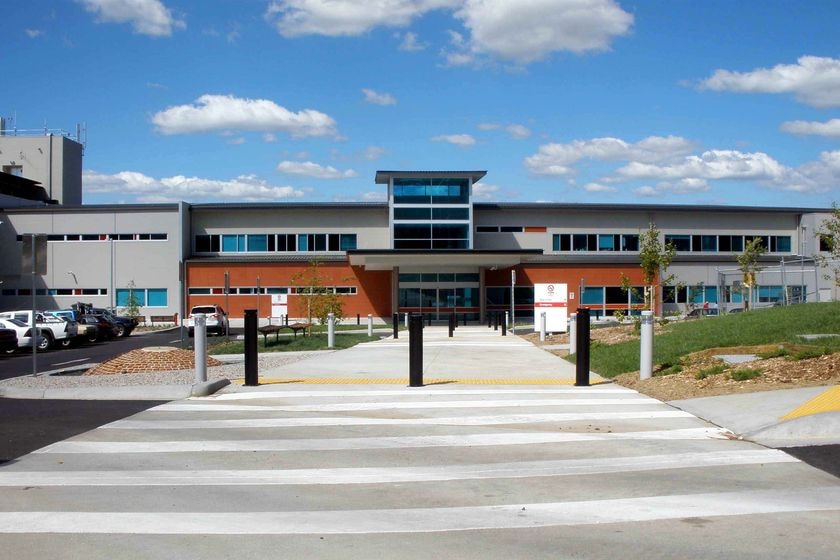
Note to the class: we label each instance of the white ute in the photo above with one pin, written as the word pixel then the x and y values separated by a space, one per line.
pixel 56 330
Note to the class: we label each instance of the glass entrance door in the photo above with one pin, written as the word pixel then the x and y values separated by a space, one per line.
pixel 437 295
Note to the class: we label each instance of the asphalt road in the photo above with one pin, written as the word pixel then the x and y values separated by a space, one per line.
pixel 21 363
pixel 30 424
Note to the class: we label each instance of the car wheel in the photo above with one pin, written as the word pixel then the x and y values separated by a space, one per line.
pixel 11 350
pixel 45 343
pixel 66 342
pixel 93 337
pixel 121 330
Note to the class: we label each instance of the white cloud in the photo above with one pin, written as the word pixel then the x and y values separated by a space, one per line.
pixel 33 33
pixel 142 188
pixel 524 32
pixel 311 169
pixel 462 140
pixel 813 80
pixel 225 112
pixel 683 186
pixel 712 164
pixel 410 43
pixel 375 196
pixel 147 17
pixel 238 141
pixel 489 126
pixel 269 138
pixel 830 128
pixel 374 152
pixel 646 191
pixel 294 18
pixel 558 159
pixel 518 131
pixel 484 191
pixel 599 188
pixel 376 98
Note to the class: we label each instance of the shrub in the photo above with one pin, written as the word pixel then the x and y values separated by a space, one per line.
pixel 745 374
pixel 714 370
pixel 777 353
pixel 809 353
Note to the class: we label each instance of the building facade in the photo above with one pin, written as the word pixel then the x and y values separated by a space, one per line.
pixel 430 248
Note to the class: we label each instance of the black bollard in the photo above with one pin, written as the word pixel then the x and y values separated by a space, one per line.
pixel 464 319
pixel 429 319
pixel 489 320
pixel 358 319
pixel 396 325
pixel 252 378
pixel 286 319
pixel 582 348
pixel 495 320
pixel 415 350
pixel 503 318
pixel 451 324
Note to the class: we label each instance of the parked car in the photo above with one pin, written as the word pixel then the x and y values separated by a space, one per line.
pixel 105 329
pixel 217 319
pixel 23 335
pixel 57 330
pixel 86 331
pixel 703 312
pixel 125 325
pixel 8 340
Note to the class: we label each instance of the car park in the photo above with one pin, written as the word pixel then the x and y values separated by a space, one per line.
pixel 217 319
pixel 23 336
pixel 58 331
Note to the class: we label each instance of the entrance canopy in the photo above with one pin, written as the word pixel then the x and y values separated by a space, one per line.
pixel 389 259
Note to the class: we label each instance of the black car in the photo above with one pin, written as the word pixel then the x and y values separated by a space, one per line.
pixel 8 340
pixel 104 329
pixel 124 325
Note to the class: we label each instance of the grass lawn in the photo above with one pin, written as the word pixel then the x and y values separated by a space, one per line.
pixel 775 325
pixel 291 344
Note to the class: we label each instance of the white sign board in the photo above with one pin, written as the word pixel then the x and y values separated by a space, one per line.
pixel 279 305
pixel 552 300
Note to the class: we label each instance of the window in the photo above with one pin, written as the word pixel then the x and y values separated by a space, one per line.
pixel 233 243
pixel 449 213
pixel 347 242
pixel 680 242
pixel 412 213
pixel 487 229
pixel 593 295
pixel 156 297
pixel 629 242
pixel 257 243
pixel 579 242
pixel 826 243
pixel 606 243
pixel 510 229
pixel 16 170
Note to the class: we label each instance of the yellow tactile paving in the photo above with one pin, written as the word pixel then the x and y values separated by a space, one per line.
pixel 404 381
pixel 824 402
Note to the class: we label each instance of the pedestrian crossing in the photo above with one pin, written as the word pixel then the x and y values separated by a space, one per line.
pixel 391 462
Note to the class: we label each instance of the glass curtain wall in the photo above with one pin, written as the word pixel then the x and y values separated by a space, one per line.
pixel 431 213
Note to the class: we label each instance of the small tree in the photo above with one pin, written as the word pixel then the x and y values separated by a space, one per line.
pixel 654 258
pixel 829 236
pixel 748 264
pixel 132 304
pixel 321 300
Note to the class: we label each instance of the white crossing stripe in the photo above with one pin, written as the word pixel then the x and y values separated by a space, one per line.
pixel 395 442
pixel 353 421
pixel 407 393
pixel 346 407
pixel 373 521
pixel 380 475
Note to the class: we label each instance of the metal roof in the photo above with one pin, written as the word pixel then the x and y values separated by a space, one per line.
pixel 383 177
pixel 594 207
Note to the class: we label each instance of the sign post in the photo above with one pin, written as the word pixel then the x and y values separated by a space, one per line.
pixel 551 299
pixel 513 301
pixel 34 259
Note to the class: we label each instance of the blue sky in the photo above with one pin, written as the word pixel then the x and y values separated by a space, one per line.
pixel 605 101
